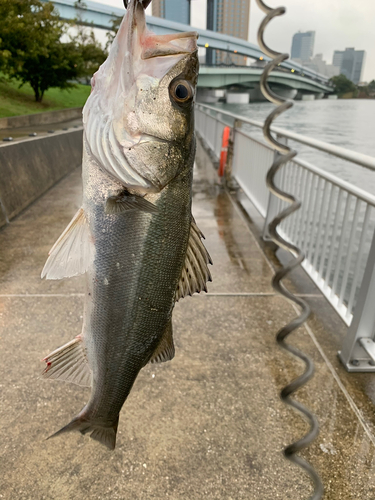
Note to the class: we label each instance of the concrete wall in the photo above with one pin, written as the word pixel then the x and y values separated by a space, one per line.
pixel 29 167
pixel 41 118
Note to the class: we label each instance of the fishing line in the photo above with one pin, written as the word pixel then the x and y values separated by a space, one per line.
pixel 285 155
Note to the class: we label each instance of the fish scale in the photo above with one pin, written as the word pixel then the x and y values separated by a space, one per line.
pixel 150 282
pixel 127 315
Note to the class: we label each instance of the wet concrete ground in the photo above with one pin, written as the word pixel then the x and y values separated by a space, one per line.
pixel 207 425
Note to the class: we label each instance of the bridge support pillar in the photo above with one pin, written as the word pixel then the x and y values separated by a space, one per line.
pixel 210 96
pixel 238 97
pixel 287 93
pixel 358 349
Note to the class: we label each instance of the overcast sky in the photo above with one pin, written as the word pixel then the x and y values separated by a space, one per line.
pixel 337 24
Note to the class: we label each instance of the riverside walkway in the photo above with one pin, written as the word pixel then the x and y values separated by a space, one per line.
pixel 207 425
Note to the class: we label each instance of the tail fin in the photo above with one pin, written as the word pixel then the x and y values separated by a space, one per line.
pixel 106 435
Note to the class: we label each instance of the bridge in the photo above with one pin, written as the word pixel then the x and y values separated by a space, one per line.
pixel 101 16
pixel 247 77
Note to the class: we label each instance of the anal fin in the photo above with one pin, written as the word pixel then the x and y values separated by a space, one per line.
pixel 73 252
pixel 165 350
pixel 69 363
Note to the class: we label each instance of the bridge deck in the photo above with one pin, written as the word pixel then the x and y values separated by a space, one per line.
pixel 100 15
pixel 209 424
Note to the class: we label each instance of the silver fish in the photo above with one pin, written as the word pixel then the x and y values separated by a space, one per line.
pixel 134 237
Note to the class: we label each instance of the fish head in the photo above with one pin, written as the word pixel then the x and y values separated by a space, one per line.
pixel 139 117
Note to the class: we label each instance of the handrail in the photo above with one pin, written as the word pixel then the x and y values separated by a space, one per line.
pixel 333 179
pixel 346 154
pixel 361 194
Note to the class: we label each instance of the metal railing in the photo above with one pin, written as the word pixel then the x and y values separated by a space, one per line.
pixel 336 222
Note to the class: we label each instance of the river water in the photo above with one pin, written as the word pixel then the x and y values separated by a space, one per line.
pixel 346 123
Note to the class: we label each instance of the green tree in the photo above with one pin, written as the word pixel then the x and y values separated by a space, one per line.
pixel 90 53
pixel 31 49
pixel 342 84
pixel 371 85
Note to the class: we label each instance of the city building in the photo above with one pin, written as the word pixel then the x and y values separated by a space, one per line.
pixel 350 63
pixel 232 18
pixel 303 46
pixel 320 66
pixel 337 58
pixel 173 10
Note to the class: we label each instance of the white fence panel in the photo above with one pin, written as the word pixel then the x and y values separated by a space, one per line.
pixel 211 129
pixel 251 174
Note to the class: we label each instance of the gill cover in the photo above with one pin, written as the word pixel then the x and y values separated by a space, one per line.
pixel 129 118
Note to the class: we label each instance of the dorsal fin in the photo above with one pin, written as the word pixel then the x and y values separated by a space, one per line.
pixel 195 272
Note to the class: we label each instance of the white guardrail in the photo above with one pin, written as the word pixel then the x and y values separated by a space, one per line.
pixel 335 224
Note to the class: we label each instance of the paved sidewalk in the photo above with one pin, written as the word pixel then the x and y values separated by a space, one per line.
pixel 209 424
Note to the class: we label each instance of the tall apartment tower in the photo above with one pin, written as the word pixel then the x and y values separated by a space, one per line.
pixel 337 58
pixel 303 46
pixel 350 62
pixel 174 10
pixel 232 18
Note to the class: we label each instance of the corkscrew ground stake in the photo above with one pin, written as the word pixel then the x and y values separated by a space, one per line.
pixel 285 155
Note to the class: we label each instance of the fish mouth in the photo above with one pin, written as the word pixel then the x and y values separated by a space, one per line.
pixel 168 45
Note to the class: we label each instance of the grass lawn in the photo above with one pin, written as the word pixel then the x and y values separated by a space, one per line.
pixel 21 101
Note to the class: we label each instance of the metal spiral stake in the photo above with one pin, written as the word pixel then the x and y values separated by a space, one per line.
pixel 286 154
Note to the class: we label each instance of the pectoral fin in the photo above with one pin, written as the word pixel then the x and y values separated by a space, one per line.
pixel 195 272
pixel 126 201
pixel 73 252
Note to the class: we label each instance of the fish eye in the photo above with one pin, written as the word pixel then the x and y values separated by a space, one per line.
pixel 181 91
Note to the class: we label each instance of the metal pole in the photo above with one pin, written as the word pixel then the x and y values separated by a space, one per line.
pixel 358 349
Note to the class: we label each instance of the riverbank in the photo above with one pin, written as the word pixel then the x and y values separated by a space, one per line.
pixel 21 101
pixel 356 95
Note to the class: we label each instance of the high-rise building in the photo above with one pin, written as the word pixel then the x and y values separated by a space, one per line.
pixel 337 58
pixel 174 10
pixel 317 64
pixel 350 62
pixel 232 18
pixel 303 46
